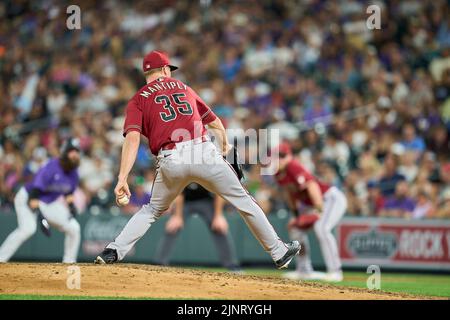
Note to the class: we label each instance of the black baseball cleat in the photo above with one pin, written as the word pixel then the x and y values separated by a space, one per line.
pixel 108 256
pixel 293 250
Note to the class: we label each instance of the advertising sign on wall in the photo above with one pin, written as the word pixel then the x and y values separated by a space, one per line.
pixel 395 243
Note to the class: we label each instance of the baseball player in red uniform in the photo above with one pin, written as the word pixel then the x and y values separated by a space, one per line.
pixel 301 187
pixel 173 118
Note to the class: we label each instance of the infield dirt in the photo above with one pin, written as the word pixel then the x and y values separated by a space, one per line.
pixel 146 281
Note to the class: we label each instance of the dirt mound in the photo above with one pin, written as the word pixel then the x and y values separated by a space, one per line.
pixel 143 281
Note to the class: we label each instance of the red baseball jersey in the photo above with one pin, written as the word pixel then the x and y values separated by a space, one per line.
pixel 294 179
pixel 167 111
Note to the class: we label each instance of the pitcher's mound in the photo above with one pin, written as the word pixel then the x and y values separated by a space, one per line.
pixel 145 281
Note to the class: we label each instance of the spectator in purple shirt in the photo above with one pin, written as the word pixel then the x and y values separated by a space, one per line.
pixel 400 205
pixel 37 202
pixel 318 112
pixel 390 176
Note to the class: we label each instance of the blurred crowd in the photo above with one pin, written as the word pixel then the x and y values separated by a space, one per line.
pixel 366 110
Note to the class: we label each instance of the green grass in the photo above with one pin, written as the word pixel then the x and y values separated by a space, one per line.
pixel 417 284
pixel 420 284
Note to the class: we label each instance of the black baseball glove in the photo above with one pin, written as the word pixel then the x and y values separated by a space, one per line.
pixel 73 210
pixel 233 159
pixel 43 223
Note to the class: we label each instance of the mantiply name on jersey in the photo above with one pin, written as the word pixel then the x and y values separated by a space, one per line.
pixel 160 85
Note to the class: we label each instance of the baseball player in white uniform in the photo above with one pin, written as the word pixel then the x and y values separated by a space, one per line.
pixel 37 203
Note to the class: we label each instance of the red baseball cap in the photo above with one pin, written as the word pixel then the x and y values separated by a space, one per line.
pixel 156 59
pixel 282 148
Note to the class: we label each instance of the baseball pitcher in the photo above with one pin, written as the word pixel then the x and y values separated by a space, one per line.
pixel 328 204
pixel 173 118
pixel 35 204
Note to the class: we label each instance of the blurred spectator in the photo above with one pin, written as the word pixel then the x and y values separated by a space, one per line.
pixel 439 142
pixel 375 201
pixel 364 109
pixel 443 210
pixel 336 151
pixel 96 173
pixel 445 180
pixel 390 176
pixel 231 65
pixel 356 192
pixel 424 207
pixel 369 165
pixel 411 141
pixel 400 205
pixel 408 166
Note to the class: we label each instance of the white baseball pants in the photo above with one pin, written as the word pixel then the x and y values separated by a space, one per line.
pixel 201 163
pixel 57 215
pixel 335 204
